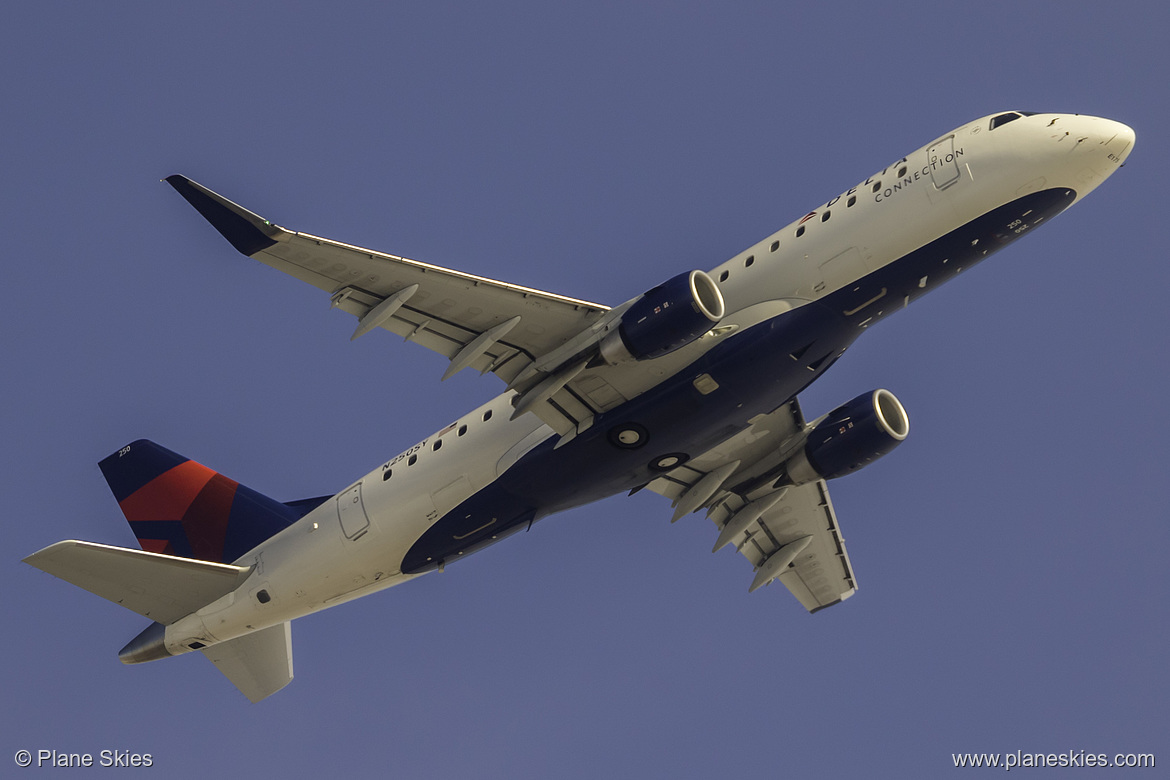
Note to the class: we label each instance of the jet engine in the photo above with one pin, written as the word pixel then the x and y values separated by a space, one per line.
pixel 848 438
pixel 666 318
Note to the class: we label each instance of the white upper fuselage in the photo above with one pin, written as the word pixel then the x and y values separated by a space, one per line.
pixel 333 555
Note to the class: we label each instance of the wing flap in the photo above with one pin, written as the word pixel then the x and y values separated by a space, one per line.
pixel 448 312
pixel 820 574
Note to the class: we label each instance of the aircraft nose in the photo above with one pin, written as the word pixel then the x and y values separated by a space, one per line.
pixel 1105 139
pixel 1088 149
pixel 1120 143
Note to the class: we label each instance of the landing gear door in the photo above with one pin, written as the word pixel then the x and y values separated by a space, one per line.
pixel 351 513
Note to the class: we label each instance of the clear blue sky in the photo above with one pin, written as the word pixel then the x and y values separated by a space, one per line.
pixel 1011 555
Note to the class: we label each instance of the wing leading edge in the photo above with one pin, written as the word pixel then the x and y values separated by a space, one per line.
pixel 473 321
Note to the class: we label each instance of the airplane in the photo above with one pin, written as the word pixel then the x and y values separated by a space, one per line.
pixel 688 390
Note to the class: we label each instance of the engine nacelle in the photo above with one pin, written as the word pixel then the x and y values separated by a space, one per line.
pixel 666 318
pixel 850 437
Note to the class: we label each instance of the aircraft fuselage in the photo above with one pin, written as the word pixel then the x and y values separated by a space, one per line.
pixel 795 301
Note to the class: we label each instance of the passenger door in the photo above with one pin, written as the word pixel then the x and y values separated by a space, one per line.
pixel 351 513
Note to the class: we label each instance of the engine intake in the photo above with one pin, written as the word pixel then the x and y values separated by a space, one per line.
pixel 850 437
pixel 666 318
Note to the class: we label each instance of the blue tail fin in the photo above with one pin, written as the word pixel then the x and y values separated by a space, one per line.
pixel 176 506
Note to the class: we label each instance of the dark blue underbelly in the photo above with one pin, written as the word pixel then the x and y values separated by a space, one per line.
pixel 757 371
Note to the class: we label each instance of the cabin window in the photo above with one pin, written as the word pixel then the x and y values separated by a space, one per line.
pixel 1003 119
pixel 462 429
pixel 263 597
pixel 751 259
pixel 723 276
pixel 412 460
pixel 877 186
pixel 487 415
pixel 902 171
pixel 438 443
pixel 800 231
pixel 825 216
pixel 386 474
pixel 851 201
pixel 775 245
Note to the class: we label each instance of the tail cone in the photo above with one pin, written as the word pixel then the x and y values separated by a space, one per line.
pixel 147 646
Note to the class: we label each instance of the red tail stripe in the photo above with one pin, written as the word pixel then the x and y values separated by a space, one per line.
pixel 206 521
pixel 167 496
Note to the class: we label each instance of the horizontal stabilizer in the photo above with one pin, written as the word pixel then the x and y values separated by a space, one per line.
pixel 259 664
pixel 161 587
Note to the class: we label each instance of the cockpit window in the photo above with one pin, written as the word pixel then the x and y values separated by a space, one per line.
pixel 1003 119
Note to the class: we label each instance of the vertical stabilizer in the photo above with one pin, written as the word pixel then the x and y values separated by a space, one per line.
pixel 176 506
pixel 259 664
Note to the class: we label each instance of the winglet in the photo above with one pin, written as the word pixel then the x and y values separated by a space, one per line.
pixel 249 233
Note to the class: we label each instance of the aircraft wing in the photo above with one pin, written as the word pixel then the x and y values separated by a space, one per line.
pixel 790 535
pixel 475 322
